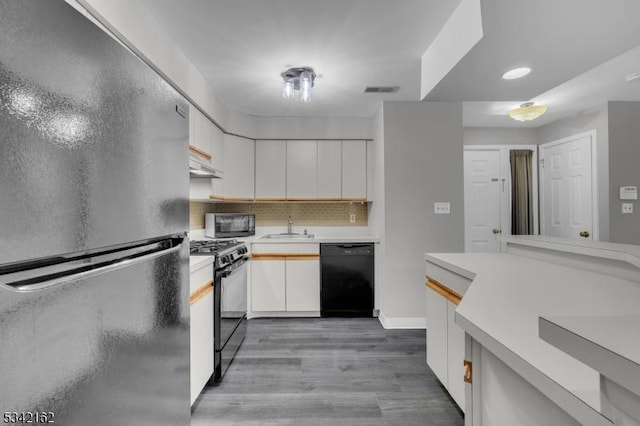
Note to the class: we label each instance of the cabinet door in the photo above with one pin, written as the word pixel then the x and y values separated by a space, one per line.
pixel 302 169
pixel 303 285
pixel 239 177
pixel 455 357
pixel 329 169
pixel 354 169
pixel 201 344
pixel 268 286
pixel 437 335
pixel 217 147
pixel 201 133
pixel 271 169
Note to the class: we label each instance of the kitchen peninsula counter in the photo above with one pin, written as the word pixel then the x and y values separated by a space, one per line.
pixel 507 296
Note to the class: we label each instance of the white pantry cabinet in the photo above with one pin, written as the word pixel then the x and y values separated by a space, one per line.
pixel 239 177
pixel 271 162
pixel 354 169
pixel 302 170
pixel 285 278
pixel 329 169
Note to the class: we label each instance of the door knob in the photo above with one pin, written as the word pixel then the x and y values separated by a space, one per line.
pixel 496 231
pixel 585 234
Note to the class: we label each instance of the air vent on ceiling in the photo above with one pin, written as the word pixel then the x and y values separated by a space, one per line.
pixel 381 89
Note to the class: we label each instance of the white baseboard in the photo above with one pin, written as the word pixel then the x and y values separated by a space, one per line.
pixel 402 322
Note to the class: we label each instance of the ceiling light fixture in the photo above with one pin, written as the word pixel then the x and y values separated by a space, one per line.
pixel 527 112
pixel 516 73
pixel 299 79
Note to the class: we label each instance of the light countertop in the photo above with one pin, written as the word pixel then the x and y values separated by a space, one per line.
pixel 606 250
pixel 319 239
pixel 507 296
pixel 610 345
pixel 197 262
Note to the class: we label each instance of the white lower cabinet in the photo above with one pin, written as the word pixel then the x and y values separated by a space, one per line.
pixel 303 284
pixel 437 331
pixel 455 357
pixel 268 292
pixel 445 342
pixel 285 278
pixel 201 327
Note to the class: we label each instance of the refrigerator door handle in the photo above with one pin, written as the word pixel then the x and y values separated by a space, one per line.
pixel 38 279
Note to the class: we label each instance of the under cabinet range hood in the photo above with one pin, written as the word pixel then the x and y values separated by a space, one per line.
pixel 198 169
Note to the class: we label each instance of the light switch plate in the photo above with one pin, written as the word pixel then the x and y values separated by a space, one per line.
pixel 442 208
pixel 627 208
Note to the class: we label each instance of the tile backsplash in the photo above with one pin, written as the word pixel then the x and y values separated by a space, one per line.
pixel 276 214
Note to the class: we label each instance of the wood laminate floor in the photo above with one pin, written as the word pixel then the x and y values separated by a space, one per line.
pixel 326 371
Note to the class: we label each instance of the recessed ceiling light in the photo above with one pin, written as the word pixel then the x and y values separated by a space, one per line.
pixel 516 73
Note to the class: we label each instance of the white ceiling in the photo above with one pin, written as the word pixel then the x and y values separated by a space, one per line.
pixel 242 46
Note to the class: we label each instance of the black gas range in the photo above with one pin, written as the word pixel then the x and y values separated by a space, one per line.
pixel 226 251
pixel 229 297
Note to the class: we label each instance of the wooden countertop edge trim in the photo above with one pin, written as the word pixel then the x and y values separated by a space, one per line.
pixel 283 256
pixel 225 198
pixel 444 291
pixel 200 152
pixel 202 291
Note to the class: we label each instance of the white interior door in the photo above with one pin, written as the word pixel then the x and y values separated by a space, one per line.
pixel 567 197
pixel 482 192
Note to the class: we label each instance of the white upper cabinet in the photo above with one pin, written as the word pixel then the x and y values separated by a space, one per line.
pixel 329 169
pixel 354 170
pixel 271 159
pixel 302 169
pixel 200 135
pixel 239 168
pixel 217 147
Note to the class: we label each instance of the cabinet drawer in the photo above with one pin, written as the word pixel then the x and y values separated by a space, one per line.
pixel 284 248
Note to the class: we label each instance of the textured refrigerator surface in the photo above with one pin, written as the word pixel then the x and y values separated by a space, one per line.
pixel 92 154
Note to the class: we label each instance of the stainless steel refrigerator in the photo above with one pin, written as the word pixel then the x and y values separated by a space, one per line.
pixel 94 303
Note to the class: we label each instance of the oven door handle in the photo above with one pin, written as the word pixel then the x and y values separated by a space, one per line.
pixel 228 273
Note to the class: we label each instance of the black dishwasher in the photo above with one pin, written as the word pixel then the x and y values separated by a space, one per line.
pixel 346 274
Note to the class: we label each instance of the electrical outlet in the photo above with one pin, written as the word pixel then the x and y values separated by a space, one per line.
pixel 442 208
pixel 627 208
pixel 352 218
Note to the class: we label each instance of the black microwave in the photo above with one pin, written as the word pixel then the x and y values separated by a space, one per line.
pixel 224 225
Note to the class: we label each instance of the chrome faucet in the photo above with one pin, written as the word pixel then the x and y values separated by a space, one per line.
pixel 290 226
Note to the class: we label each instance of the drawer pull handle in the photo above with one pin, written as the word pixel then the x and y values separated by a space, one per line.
pixel 468 371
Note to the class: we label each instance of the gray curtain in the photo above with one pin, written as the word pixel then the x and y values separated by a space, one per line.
pixel 521 192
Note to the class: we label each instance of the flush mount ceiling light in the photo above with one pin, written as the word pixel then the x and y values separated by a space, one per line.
pixel 527 112
pixel 299 79
pixel 516 73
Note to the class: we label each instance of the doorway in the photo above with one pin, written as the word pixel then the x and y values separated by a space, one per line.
pixel 489 201
pixel 568 179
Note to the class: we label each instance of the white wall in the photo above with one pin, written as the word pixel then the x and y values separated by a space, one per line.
pixel 423 164
pixel 624 154
pixel 499 136
pixel 597 120
pixel 376 208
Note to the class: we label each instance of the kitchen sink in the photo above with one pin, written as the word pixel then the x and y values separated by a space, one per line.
pixel 286 236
